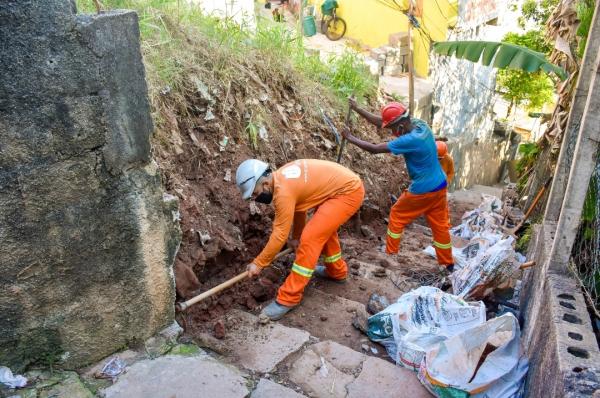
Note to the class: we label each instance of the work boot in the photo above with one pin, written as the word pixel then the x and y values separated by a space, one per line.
pixel 321 272
pixel 275 311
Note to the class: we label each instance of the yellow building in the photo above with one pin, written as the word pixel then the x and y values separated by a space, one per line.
pixel 371 22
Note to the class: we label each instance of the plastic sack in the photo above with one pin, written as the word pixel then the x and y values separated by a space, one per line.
pixel 484 361
pixel 476 247
pixel 490 204
pixel 487 270
pixel 419 320
pixel 12 381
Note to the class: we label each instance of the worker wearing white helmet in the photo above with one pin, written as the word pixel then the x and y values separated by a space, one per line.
pixel 333 190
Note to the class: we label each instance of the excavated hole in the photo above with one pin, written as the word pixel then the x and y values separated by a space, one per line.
pixel 572 319
pixel 567 305
pixel 575 336
pixel 566 296
pixel 577 369
pixel 578 352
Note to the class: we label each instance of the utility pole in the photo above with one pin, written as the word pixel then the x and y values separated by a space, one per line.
pixel 411 73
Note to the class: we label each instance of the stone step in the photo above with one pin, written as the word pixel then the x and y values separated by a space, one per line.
pixel 331 370
pixel 181 377
pixel 260 347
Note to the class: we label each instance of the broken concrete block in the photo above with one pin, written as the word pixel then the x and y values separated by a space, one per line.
pixel 269 389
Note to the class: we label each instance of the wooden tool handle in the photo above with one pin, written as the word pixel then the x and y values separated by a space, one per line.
pixel 343 144
pixel 186 304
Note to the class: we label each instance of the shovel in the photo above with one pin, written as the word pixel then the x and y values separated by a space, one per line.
pixel 194 300
pixel 343 144
pixel 339 140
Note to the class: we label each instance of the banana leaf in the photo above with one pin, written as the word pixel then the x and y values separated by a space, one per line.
pixel 499 55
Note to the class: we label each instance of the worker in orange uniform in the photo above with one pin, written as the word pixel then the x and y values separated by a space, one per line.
pixel 333 190
pixel 426 194
pixel 446 160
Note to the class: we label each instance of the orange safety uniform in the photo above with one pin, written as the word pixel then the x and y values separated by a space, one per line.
pixel 426 194
pixel 447 164
pixel 337 194
pixel 434 205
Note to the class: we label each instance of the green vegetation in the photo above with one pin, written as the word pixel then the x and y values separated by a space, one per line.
pixel 536 11
pixel 523 241
pixel 533 90
pixel 167 26
pixel 585 13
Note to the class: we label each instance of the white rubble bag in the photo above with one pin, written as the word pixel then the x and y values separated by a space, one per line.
pixel 419 320
pixel 485 271
pixel 485 361
pixel 478 244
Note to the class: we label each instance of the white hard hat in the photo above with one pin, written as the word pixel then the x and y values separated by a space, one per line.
pixel 247 174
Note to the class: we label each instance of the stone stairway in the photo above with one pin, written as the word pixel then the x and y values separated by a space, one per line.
pixel 314 351
pixel 268 361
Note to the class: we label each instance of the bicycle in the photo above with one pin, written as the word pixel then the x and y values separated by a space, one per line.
pixel 332 26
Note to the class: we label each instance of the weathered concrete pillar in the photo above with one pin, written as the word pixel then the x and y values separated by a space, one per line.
pixel 582 168
pixel 87 235
pixel 563 166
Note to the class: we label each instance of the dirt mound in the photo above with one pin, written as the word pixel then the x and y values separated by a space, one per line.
pixel 211 121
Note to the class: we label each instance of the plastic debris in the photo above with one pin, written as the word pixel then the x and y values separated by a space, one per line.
pixel 223 143
pixel 489 259
pixel 12 381
pixel 483 361
pixel 419 320
pixel 323 370
pixel 113 368
pixel 263 133
pixel 486 271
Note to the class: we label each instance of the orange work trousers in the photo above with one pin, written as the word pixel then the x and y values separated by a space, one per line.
pixel 320 236
pixel 434 205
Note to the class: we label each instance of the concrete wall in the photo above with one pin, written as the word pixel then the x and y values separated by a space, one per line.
pixel 557 332
pixel 465 94
pixel 88 237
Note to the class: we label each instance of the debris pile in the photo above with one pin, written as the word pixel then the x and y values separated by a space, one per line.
pixel 488 260
pixel 447 339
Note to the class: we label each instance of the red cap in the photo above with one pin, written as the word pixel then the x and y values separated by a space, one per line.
pixel 392 112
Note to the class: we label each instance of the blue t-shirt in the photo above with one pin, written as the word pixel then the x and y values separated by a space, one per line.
pixel 420 153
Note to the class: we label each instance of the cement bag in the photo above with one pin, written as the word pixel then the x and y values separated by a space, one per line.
pixel 483 362
pixel 419 320
pixel 484 272
pixel 457 255
pixel 476 247
pixel 490 204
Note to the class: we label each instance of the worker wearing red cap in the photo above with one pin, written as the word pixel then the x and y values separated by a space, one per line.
pixel 446 160
pixel 426 194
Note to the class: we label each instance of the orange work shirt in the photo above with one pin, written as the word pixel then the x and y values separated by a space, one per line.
pixel 447 164
pixel 298 187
